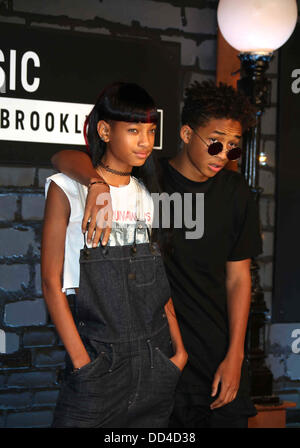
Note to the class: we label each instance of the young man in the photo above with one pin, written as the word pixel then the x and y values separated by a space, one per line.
pixel 209 276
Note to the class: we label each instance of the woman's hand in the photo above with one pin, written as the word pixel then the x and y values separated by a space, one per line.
pixel 98 212
pixel 82 361
pixel 180 359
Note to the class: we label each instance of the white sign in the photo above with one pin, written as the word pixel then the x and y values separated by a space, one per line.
pixel 43 121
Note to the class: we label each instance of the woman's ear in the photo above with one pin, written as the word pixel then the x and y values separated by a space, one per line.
pixel 103 129
pixel 185 133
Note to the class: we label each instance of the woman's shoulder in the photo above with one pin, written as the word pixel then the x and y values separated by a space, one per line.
pixel 67 184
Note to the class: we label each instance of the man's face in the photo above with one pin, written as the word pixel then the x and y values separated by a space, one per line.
pixel 223 130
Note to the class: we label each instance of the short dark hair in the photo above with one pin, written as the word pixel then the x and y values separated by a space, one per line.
pixel 206 100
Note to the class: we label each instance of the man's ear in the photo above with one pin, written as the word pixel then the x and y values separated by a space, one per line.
pixel 103 129
pixel 186 133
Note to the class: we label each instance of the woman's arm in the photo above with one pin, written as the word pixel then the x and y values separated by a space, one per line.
pixel 57 211
pixel 180 357
pixel 78 166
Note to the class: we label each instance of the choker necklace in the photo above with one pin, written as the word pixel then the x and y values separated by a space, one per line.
pixel 120 173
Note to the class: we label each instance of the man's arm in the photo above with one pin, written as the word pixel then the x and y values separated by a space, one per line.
pixel 238 286
pixel 78 166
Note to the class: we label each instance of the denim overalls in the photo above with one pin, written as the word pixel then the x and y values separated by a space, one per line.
pixel 119 312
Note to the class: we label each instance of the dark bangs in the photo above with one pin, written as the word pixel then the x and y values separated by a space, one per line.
pixel 128 102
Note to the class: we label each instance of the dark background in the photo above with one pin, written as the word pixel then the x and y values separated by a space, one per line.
pixel 33 355
pixel 286 302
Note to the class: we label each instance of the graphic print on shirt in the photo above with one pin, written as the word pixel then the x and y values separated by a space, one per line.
pixel 129 216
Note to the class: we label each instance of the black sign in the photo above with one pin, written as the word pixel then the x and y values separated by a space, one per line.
pixel 50 79
pixel 286 303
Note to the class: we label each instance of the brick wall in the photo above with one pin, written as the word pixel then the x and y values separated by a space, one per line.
pixel 283 363
pixel 28 387
pixel 31 354
pixel 267 183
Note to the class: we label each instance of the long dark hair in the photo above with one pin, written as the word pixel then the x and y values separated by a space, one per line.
pixel 128 102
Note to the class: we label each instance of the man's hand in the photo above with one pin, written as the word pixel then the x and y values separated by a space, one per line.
pixel 78 166
pixel 98 211
pixel 238 286
pixel 228 374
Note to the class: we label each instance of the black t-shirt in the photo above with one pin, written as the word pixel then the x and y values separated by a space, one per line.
pixel 196 268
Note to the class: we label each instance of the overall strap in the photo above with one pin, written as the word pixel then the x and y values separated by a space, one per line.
pixel 140 215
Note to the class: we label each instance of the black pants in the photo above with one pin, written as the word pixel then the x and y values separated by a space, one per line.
pixel 193 411
pixel 202 417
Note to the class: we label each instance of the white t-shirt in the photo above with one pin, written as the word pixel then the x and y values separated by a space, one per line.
pixel 129 202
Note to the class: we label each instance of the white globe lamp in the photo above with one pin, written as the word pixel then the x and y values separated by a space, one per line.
pixel 257 26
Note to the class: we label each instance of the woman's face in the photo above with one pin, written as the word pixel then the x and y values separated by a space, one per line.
pixel 128 143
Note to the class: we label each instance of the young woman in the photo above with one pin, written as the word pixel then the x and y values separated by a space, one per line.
pixel 124 348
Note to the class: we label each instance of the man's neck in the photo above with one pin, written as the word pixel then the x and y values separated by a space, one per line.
pixel 184 166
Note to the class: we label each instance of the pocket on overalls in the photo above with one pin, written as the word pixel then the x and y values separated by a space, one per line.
pixel 100 358
pixel 143 271
pixel 84 395
pixel 170 364
pixel 164 375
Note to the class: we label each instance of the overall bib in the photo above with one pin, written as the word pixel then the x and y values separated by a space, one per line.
pixel 119 312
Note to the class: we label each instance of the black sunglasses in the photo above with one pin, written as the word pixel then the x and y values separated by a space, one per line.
pixel 215 148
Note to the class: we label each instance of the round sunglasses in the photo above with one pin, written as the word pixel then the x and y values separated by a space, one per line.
pixel 215 148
